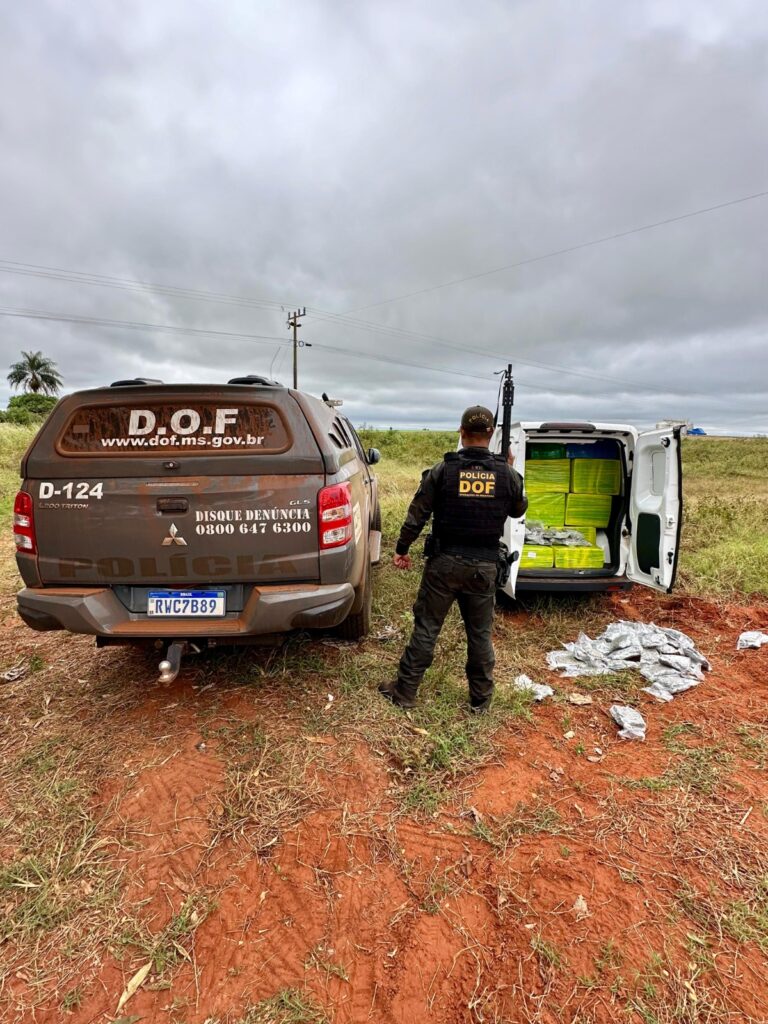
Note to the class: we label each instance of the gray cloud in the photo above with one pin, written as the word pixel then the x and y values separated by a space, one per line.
pixel 332 154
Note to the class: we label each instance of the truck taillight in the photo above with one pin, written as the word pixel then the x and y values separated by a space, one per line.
pixel 24 523
pixel 334 515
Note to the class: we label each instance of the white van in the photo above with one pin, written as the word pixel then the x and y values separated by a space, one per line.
pixel 642 540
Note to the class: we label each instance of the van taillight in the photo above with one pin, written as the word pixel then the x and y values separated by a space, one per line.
pixel 24 523
pixel 334 514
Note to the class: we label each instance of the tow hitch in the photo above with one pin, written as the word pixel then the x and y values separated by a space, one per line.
pixel 171 663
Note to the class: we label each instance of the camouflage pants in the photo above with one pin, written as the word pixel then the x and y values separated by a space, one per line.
pixel 449 578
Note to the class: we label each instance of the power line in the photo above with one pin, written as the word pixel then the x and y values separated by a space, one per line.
pixel 82 277
pixel 132 284
pixel 40 314
pixel 562 252
pixel 496 356
pixel 258 338
pixel 173 291
pixel 432 369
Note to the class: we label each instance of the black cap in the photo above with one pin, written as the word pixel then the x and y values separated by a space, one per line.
pixel 477 420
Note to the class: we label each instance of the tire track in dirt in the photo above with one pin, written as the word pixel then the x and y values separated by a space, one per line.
pixel 426 918
pixel 294 918
pixel 343 860
pixel 165 816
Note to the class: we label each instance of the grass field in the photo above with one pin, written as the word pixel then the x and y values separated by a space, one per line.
pixel 267 842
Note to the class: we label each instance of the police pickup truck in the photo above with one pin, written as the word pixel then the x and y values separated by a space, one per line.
pixel 196 513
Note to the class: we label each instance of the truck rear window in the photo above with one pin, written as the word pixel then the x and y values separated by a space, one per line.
pixel 160 427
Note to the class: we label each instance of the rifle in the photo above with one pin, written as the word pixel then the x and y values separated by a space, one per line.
pixel 507 401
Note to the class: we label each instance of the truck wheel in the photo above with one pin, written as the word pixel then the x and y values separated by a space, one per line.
pixel 358 625
pixel 376 521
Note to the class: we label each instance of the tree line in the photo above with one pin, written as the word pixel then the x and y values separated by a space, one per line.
pixel 40 382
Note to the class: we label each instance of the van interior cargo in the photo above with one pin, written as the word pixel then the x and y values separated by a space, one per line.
pixel 578 484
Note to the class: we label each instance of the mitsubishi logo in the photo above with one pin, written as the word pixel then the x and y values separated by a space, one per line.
pixel 174 537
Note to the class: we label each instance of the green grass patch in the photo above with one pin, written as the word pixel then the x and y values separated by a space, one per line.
pixel 411 447
pixel 44 890
pixel 609 958
pixel 319 959
pixel 266 787
pixel 754 740
pixel 743 919
pixel 173 944
pixel 425 796
pixel 14 441
pixel 724 547
pixel 540 818
pixel 651 783
pixel 706 459
pixel 288 1006
pixel 620 685
pixel 547 952
pixel 72 999
pixel 698 768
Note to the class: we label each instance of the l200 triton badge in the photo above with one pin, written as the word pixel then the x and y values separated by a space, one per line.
pixel 174 537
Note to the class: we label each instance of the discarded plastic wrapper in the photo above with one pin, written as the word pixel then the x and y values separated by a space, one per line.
pixel 667 658
pixel 630 722
pixel 752 639
pixel 537 690
pixel 536 533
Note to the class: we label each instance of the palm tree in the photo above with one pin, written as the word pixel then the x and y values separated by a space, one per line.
pixel 36 373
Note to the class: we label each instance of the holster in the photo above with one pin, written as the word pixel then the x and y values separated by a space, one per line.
pixel 431 546
pixel 503 563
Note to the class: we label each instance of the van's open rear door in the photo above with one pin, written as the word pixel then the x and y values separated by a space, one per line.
pixel 514 529
pixel 656 509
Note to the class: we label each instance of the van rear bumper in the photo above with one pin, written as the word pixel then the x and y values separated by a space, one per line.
pixel 96 611
pixel 539 583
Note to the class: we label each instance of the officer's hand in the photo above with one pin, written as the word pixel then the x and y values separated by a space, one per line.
pixel 403 562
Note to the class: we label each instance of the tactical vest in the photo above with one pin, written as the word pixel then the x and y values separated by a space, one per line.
pixel 473 504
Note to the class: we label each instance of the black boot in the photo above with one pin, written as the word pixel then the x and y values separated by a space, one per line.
pixel 391 693
pixel 479 707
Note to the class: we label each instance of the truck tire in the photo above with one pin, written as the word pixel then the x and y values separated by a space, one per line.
pixel 358 624
pixel 376 521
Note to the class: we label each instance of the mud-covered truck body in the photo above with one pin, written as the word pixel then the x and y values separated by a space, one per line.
pixel 196 512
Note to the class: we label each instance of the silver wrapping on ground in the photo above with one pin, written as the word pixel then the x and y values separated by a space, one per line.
pixel 667 658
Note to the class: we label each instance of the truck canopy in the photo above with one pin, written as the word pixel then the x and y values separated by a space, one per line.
pixel 178 484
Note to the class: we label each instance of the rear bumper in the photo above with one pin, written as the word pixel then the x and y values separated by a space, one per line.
pixel 97 611
pixel 570 585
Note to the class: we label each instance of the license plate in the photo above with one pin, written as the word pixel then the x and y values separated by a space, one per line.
pixel 186 604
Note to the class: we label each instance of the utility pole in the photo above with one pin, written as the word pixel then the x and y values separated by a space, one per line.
pixel 293 322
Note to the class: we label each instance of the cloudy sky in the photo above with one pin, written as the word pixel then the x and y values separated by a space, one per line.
pixel 345 155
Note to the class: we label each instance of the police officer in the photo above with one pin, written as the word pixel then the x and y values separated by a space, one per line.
pixel 469 494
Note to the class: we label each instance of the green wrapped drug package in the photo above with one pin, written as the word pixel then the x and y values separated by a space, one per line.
pixel 548 450
pixel 536 557
pixel 588 510
pixel 547 475
pixel 596 476
pixel 579 558
pixel 548 509
pixel 589 533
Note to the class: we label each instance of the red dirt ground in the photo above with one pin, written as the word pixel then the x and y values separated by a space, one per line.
pixel 431 922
